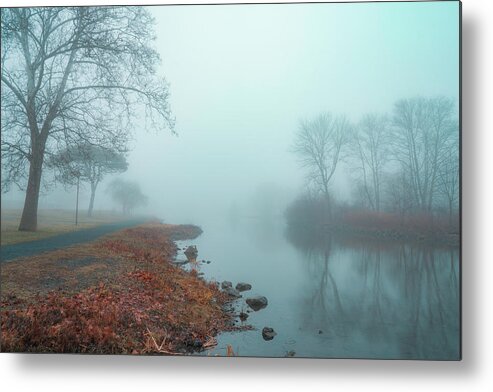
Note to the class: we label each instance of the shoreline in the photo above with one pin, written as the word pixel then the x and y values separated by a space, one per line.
pixel 121 294
pixel 373 235
pixel 420 238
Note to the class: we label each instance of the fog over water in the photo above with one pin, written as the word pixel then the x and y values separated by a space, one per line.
pixel 358 250
pixel 242 77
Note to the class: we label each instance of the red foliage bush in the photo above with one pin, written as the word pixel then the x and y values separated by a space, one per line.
pixel 372 219
pixel 418 223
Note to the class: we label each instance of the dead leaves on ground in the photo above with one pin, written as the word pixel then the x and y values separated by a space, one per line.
pixel 144 305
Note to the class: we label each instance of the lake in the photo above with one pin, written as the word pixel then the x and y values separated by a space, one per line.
pixel 335 297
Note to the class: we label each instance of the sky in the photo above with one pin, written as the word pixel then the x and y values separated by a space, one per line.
pixel 243 76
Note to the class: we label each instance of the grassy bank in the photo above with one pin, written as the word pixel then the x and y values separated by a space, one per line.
pixel 50 223
pixel 120 294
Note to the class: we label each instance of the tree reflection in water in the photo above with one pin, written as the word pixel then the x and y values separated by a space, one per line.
pixel 380 299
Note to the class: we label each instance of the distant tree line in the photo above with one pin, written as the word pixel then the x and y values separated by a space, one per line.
pixel 405 162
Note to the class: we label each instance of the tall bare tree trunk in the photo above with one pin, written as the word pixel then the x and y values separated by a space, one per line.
pixel 29 219
pixel 91 202
pixel 328 201
pixel 450 212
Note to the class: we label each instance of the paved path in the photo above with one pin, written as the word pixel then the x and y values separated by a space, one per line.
pixel 23 249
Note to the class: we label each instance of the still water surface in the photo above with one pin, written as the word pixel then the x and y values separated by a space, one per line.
pixel 335 297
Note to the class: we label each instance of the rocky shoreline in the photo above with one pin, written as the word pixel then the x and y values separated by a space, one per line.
pixel 125 296
pixel 254 303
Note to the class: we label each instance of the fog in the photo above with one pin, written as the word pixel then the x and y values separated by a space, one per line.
pixel 241 79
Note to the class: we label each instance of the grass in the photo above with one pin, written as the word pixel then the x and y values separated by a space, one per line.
pixel 118 295
pixel 50 223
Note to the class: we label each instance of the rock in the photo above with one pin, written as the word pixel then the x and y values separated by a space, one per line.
pixel 243 316
pixel 232 292
pixel 193 344
pixel 257 303
pixel 191 252
pixel 268 333
pixel 241 286
pixel 226 284
pixel 196 343
pixel 291 353
pixel 320 332
pixel 208 261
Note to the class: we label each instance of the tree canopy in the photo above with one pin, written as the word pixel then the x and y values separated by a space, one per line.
pixel 128 194
pixel 73 75
pixel 319 144
pixel 87 163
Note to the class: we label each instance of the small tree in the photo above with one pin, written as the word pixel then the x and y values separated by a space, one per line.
pixel 71 74
pixel 128 194
pixel 90 162
pixel 319 144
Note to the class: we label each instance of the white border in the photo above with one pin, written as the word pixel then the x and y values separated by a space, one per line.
pixel 88 374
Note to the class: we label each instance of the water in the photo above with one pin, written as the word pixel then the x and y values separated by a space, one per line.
pixel 335 297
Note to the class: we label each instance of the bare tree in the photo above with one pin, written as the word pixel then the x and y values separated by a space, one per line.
pixel 88 163
pixel 448 178
pixel 319 144
pixel 371 153
pixel 73 74
pixel 397 193
pixel 422 131
pixel 128 194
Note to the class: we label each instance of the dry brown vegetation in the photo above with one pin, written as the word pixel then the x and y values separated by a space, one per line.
pixel 120 294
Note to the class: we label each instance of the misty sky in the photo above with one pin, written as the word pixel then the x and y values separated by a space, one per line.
pixel 241 77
